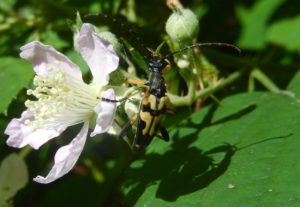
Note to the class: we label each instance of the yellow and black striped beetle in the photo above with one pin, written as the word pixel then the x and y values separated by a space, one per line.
pixel 155 102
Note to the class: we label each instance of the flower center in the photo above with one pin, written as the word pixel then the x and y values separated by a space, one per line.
pixel 61 100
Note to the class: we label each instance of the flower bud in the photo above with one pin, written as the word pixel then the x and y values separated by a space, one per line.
pixel 182 25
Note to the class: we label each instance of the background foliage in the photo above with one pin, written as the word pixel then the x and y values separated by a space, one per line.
pixel 243 150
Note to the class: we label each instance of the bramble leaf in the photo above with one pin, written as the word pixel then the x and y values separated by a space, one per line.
pixel 246 149
pixel 15 74
pixel 285 33
pixel 254 22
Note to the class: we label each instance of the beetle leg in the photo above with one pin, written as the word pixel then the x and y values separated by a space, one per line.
pixel 164 134
pixel 136 82
pixel 128 126
pixel 170 108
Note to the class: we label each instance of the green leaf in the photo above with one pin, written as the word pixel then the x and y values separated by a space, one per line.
pixel 245 150
pixel 15 74
pixel 294 86
pixel 254 22
pixel 286 33
pixel 13 177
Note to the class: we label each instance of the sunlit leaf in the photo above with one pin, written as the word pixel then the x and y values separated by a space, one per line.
pixel 254 22
pixel 294 86
pixel 15 74
pixel 244 150
pixel 285 33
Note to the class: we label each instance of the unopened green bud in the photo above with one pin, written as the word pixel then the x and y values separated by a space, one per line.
pixel 182 25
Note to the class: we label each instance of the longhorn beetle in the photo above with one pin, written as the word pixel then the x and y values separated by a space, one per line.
pixel 155 102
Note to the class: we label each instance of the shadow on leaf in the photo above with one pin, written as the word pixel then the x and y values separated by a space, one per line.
pixel 184 168
pixel 181 170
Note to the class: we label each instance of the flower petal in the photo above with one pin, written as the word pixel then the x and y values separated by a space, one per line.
pixel 66 157
pixel 43 57
pixel 106 112
pixel 99 55
pixel 21 134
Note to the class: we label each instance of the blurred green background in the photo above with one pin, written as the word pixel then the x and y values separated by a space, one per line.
pixel 242 151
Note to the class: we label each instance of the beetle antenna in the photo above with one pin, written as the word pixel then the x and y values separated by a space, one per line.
pixel 142 48
pixel 218 44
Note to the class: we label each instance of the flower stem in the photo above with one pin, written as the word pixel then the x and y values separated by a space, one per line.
pixel 24 152
pixel 185 100
pixel 264 80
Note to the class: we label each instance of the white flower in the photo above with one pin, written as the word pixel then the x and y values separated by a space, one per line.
pixel 63 99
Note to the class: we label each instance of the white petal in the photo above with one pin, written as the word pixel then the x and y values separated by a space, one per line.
pixel 99 55
pixel 66 157
pixel 106 112
pixel 21 134
pixel 44 57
